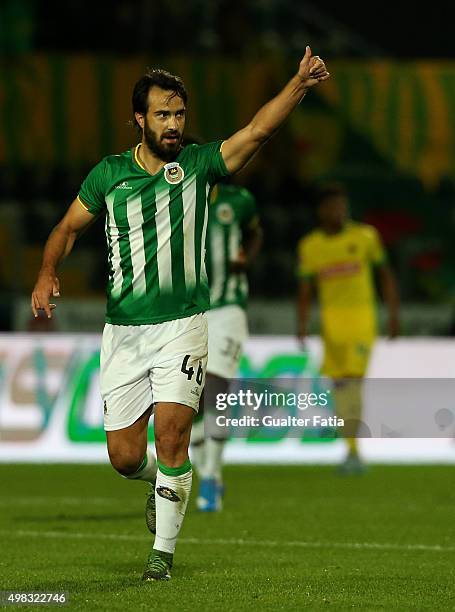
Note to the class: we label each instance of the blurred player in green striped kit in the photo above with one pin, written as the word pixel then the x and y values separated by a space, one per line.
pixel 154 347
pixel 233 239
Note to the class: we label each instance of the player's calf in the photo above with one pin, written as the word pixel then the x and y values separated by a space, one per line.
pixel 173 484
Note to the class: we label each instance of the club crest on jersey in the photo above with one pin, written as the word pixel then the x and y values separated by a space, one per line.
pixel 168 493
pixel 224 213
pixel 173 173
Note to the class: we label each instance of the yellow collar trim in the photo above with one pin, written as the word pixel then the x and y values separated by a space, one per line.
pixel 136 157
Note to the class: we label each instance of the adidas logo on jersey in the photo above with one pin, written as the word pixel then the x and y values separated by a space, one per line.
pixel 123 185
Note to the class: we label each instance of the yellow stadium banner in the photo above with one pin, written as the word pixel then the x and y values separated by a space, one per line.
pixel 76 109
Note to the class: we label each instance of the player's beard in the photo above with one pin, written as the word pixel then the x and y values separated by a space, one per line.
pixel 165 151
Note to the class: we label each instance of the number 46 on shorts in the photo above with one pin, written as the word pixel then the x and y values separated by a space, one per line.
pixel 189 371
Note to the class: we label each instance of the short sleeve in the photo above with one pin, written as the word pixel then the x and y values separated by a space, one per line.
pixel 212 162
pixel 92 193
pixel 375 250
pixel 306 264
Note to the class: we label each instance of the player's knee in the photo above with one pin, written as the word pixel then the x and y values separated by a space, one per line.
pixel 170 444
pixel 169 441
pixel 126 461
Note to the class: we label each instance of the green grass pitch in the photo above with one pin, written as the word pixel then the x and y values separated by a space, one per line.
pixel 290 538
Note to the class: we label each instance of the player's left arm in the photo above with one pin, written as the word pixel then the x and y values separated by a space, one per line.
pixel 242 146
pixel 391 297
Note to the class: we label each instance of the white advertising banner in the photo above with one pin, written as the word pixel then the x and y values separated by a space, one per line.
pixel 51 410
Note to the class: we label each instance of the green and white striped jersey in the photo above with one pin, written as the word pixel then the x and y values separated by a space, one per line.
pixel 156 232
pixel 231 211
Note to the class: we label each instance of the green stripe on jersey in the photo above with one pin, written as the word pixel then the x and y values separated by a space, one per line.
pixel 121 221
pixel 189 244
pixel 149 235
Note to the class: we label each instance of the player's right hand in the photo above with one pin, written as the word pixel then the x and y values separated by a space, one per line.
pixel 46 286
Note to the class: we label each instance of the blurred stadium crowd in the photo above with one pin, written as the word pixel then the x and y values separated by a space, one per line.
pixel 412 203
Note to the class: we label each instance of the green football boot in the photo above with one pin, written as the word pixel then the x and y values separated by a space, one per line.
pixel 158 566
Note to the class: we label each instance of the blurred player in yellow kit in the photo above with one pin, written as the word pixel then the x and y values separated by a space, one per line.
pixel 337 258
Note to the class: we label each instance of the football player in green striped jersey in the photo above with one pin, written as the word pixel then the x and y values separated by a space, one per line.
pixel 154 348
pixel 234 237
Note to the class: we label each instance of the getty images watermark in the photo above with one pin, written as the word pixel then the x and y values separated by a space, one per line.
pixel 272 408
pixel 250 403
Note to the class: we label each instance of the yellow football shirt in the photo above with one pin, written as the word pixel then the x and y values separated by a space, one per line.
pixel 341 267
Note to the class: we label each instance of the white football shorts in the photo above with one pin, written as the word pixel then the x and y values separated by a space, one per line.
pixel 145 364
pixel 228 330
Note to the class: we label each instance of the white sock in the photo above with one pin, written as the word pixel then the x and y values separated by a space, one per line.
pixel 147 469
pixel 213 459
pixel 197 448
pixel 172 492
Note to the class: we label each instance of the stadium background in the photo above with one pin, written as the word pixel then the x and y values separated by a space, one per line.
pixel 384 125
